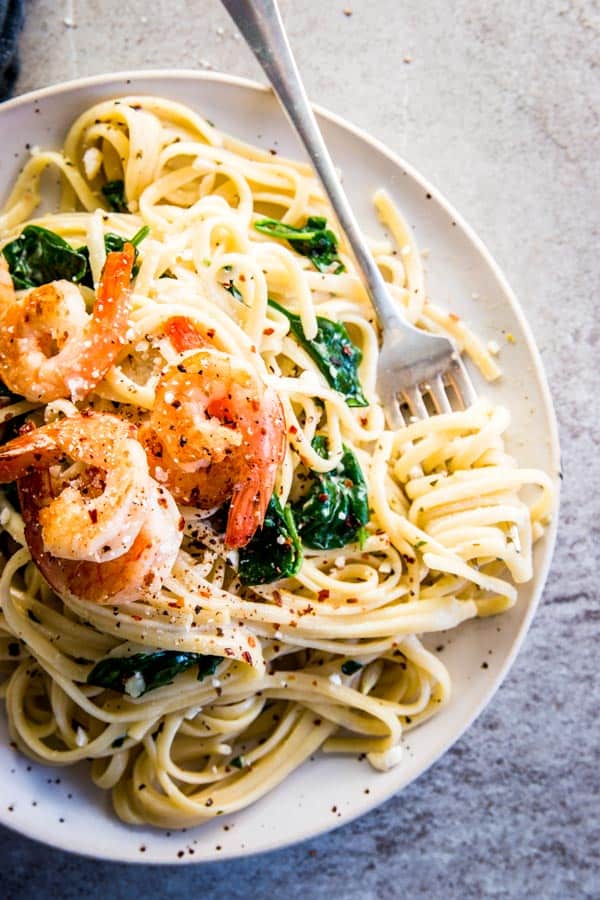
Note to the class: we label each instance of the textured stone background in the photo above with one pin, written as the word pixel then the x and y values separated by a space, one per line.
pixel 496 102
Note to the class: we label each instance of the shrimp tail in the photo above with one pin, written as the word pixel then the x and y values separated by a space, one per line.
pixel 247 511
pixel 106 334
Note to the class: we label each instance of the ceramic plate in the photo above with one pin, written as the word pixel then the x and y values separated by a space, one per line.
pixel 61 806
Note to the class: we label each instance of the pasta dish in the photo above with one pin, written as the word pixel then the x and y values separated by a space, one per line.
pixel 216 558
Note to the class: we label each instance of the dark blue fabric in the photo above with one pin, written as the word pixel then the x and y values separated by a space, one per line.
pixel 11 21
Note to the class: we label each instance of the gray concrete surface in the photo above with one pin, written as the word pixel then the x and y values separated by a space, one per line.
pixel 496 102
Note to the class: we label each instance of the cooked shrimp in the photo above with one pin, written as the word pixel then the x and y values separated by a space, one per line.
pixel 100 502
pixel 102 529
pixel 216 432
pixel 137 574
pixel 49 346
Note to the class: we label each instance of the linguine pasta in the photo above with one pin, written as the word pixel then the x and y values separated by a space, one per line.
pixel 330 657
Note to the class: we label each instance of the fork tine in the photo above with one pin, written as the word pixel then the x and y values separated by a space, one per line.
pixel 461 382
pixel 438 394
pixel 415 402
pixel 391 404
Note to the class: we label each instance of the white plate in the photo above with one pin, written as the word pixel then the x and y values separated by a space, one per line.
pixel 327 791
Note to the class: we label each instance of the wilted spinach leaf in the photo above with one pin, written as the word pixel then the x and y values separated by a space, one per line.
pixel 314 240
pixel 351 666
pixel 335 509
pixel 39 256
pixel 334 353
pixel 150 670
pixel 114 243
pixel 114 192
pixel 275 550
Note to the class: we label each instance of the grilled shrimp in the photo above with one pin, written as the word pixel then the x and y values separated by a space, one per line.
pixel 101 529
pixel 137 574
pixel 216 432
pixel 49 346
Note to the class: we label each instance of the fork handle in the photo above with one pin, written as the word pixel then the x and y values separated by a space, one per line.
pixel 260 23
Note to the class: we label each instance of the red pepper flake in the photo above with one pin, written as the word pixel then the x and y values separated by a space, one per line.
pixel 247 657
pixel 293 429
pixel 268 331
pixel 352 600
pixel 229 651
pixel 93 514
pixel 322 497
pixel 454 317
pixel 277 598
pixel 137 618
pixel 323 595
pixel 251 641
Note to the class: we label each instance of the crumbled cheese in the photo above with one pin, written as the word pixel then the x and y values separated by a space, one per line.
pixel 216 683
pixel 192 712
pixel 223 749
pixel 339 562
pixel 335 678
pixel 136 685
pixel 4 516
pixel 493 347
pixel 405 251
pixel 92 160
pixel 385 568
pixel 278 635
pixel 386 760
pixel 81 737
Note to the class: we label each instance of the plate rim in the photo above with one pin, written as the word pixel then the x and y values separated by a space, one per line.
pixel 541 574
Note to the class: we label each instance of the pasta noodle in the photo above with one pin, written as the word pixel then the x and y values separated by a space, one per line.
pixel 330 657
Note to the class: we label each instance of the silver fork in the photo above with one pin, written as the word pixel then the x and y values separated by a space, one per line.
pixel 412 364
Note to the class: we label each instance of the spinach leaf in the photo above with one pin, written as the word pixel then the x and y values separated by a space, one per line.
pixel 351 666
pixel 142 672
pixel 275 550
pixel 314 240
pixel 114 193
pixel 336 508
pixel 233 290
pixel 334 353
pixel 39 256
pixel 115 243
